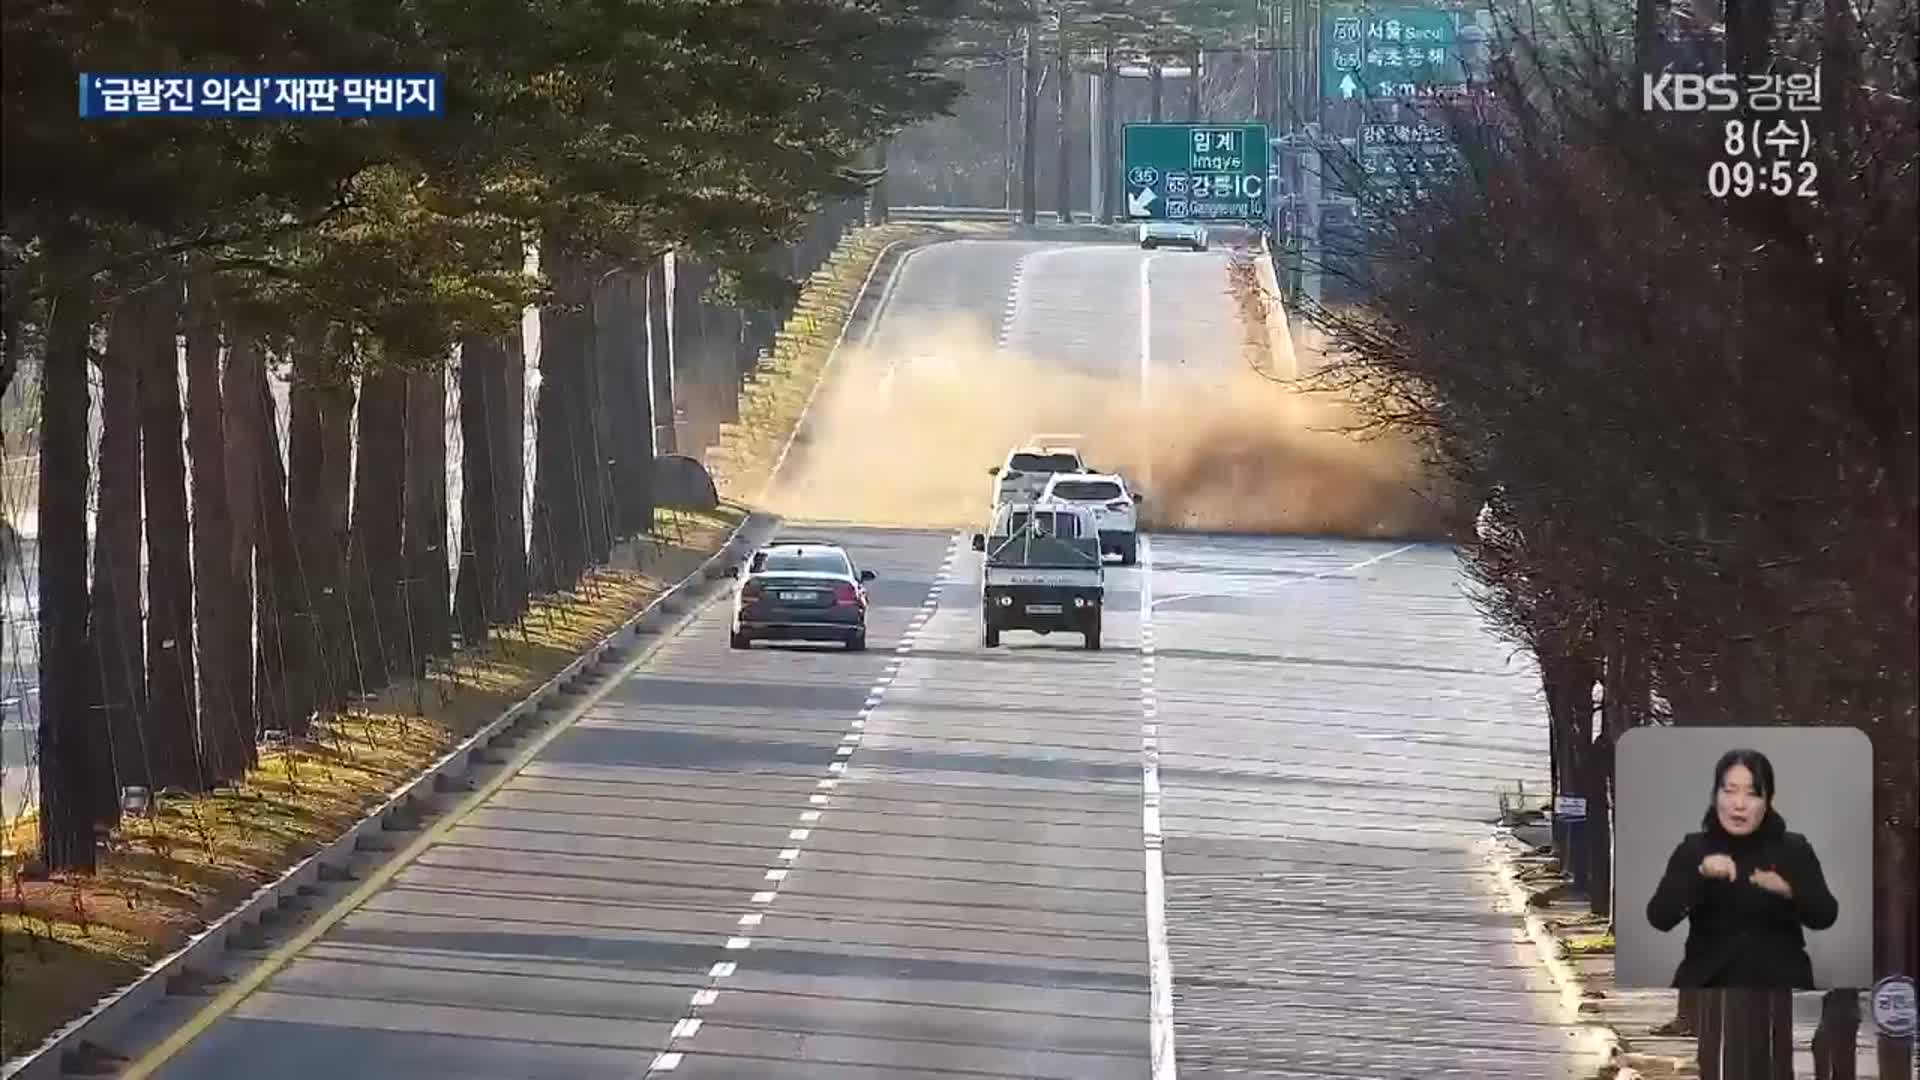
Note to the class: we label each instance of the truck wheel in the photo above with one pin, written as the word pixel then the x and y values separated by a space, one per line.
pixel 1093 635
pixel 990 637
pixel 1130 550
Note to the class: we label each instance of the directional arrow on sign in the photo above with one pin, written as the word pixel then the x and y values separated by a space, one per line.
pixel 1348 86
pixel 1140 203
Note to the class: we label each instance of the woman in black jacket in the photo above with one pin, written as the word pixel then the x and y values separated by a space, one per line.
pixel 1746 886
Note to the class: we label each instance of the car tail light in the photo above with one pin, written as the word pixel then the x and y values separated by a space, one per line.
pixel 1119 504
pixel 751 591
pixel 845 595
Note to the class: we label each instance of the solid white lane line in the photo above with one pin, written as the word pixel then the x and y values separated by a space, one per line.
pixel 1159 959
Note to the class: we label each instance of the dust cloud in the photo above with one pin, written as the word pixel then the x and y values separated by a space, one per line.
pixel 905 438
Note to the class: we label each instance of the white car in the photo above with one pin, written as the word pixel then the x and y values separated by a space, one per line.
pixel 1027 468
pixel 1116 510
pixel 1185 234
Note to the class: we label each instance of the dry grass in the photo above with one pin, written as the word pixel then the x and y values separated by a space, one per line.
pixel 67 941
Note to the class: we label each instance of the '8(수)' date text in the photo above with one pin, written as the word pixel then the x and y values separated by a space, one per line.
pixel 1746 172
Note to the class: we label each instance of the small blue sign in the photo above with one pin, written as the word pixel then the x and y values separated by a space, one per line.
pixel 410 94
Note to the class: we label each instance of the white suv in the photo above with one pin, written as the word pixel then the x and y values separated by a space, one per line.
pixel 1116 511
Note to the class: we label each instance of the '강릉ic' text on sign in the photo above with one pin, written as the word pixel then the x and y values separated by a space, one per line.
pixel 1195 172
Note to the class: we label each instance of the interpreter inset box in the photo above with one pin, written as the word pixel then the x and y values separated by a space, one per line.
pixel 1743 858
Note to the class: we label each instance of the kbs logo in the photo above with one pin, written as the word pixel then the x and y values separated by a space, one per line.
pixel 1678 92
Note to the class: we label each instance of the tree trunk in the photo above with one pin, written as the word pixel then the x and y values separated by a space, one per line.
pixel 598 449
pixel 694 365
pixel 1568 683
pixel 640 398
pixel 1599 829
pixel 1896 915
pixel 425 532
pixel 1029 118
pixel 660 357
pixel 284 690
pixel 615 323
pixel 319 490
pixel 1746 1035
pixel 1110 176
pixel 515 443
pixel 559 552
pixel 375 557
pixel 1155 88
pixel 239 387
pixel 480 596
pixel 877 205
pixel 69 740
pixel 119 652
pixel 172 710
pixel 1836 1041
pixel 1193 87
pixel 226 674
pixel 1063 169
pixel 1749 35
pixel 1646 38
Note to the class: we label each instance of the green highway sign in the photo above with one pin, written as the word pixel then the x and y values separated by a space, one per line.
pixel 1405 158
pixel 1195 172
pixel 1396 52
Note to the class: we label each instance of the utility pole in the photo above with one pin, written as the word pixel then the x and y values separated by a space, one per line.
pixel 1006 125
pixel 1030 106
pixel 1096 147
pixel 1063 204
pixel 1193 86
pixel 1109 92
pixel 1310 253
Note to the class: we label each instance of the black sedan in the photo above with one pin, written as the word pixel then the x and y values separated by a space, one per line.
pixel 801 592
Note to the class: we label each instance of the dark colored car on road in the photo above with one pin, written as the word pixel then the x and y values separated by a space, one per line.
pixel 801 592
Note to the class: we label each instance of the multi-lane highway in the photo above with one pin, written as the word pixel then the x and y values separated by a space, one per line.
pixel 1242 840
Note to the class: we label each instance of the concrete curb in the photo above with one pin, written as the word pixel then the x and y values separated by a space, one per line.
pixel 1286 362
pixel 1606 1040
pixel 449 773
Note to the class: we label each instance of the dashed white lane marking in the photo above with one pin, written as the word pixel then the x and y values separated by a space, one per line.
pixel 1016 289
pixel 1159 960
pixel 689 1025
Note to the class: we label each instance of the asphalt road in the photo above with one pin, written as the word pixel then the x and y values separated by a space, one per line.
pixel 933 859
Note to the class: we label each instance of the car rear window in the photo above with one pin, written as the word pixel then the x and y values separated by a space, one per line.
pixel 801 562
pixel 1048 463
pixel 1066 526
pixel 1086 490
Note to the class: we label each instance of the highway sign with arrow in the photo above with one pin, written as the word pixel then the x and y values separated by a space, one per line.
pixel 1390 53
pixel 1195 172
